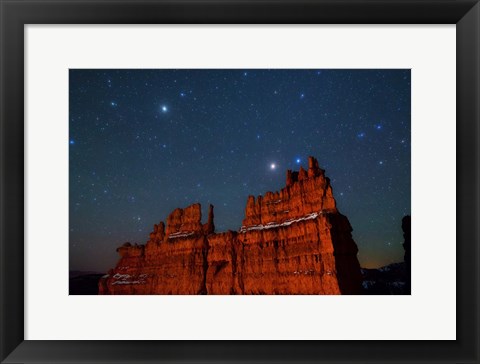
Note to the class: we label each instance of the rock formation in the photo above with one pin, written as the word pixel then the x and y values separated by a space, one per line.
pixel 407 235
pixel 291 242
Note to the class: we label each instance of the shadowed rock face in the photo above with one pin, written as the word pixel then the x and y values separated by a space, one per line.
pixel 407 234
pixel 291 242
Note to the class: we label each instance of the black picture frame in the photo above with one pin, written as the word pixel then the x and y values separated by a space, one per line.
pixel 15 14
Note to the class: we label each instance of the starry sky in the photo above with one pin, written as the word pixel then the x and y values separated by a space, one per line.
pixel 144 142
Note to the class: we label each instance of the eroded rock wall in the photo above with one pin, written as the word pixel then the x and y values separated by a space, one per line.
pixel 291 242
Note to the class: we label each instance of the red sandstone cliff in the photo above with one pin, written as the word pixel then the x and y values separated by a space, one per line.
pixel 291 242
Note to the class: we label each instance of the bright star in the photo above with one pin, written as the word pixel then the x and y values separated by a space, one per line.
pixel 72 141
pixel 361 135
pixel 302 96
pixel 273 166
pixel 164 108
pixel 298 160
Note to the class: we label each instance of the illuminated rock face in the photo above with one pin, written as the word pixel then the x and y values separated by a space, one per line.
pixel 291 242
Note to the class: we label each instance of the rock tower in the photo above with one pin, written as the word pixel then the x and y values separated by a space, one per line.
pixel 291 242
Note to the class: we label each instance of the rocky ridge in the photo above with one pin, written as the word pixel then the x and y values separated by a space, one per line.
pixel 294 241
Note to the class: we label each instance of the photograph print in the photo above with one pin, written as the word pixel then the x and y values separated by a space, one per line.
pixel 239 181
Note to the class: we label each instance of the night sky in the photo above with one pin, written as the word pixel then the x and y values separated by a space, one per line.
pixel 144 142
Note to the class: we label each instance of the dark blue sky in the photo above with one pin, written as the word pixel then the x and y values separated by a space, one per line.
pixel 144 142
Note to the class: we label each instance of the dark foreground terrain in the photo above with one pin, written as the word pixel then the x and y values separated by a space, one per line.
pixel 388 280
pixel 84 283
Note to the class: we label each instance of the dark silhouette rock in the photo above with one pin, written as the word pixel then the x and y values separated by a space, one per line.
pixel 394 278
pixel 84 283
pixel 406 227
